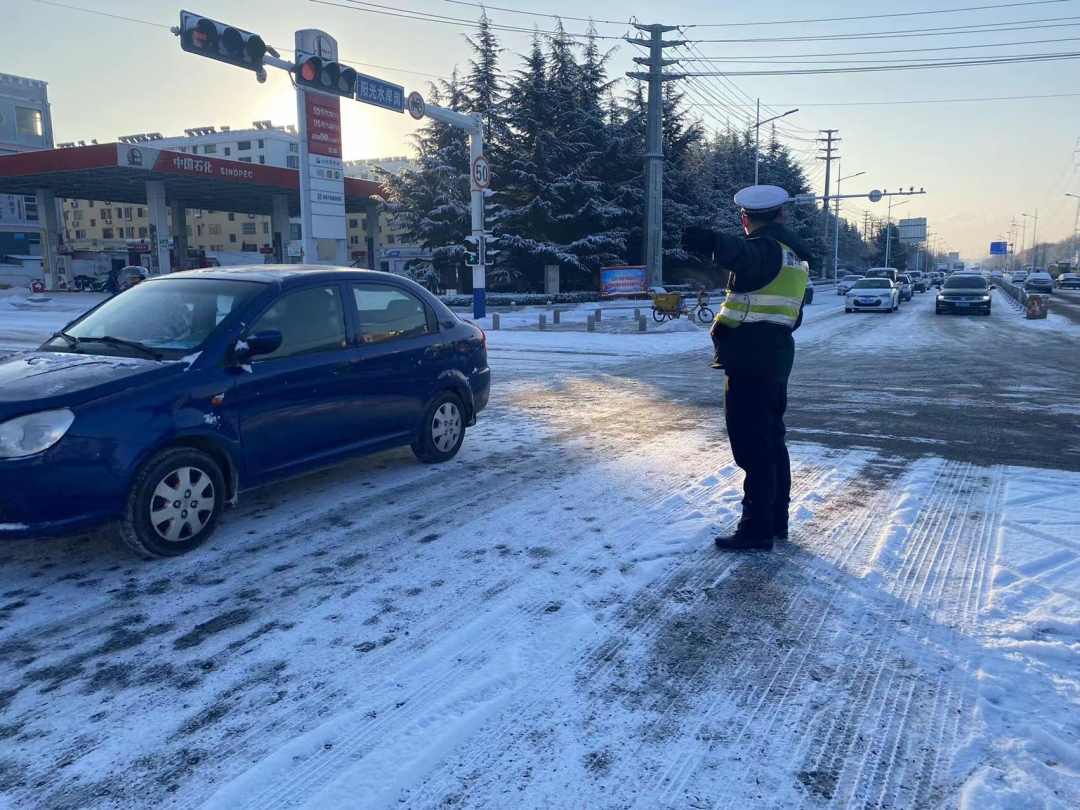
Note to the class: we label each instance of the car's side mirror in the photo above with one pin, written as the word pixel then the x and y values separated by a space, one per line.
pixel 266 341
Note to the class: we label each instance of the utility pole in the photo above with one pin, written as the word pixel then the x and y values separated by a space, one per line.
pixel 1076 230
pixel 654 147
pixel 829 139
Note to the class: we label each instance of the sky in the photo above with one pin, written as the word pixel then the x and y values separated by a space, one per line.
pixel 982 163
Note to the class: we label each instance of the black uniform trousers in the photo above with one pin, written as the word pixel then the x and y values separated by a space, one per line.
pixel 754 411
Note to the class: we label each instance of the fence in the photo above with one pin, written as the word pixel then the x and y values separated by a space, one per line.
pixel 1014 291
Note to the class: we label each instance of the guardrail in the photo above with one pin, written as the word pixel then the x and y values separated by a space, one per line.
pixel 1014 291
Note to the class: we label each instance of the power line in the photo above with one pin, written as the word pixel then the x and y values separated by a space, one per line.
pixel 882 68
pixel 877 16
pixel 878 52
pixel 789 131
pixel 919 101
pixel 394 11
pixel 485 6
pixel 980 28
pixel 344 59
pixel 893 61
pixel 103 14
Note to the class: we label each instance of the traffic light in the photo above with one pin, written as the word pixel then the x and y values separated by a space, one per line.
pixel 226 43
pixel 316 73
pixel 489 252
pixel 473 252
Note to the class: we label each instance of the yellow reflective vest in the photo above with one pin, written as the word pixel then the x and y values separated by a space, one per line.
pixel 777 302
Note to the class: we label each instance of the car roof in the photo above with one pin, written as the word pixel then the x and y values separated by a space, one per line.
pixel 284 273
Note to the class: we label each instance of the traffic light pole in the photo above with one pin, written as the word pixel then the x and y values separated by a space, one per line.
pixel 472 124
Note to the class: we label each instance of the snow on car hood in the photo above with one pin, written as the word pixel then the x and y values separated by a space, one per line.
pixel 42 380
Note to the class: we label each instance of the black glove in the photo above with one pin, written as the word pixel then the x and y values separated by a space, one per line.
pixel 699 239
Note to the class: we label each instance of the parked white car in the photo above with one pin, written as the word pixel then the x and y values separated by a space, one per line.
pixel 846 283
pixel 878 294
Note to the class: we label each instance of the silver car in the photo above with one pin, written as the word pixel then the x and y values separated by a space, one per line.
pixel 846 283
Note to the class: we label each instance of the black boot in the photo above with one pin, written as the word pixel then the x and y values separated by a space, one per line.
pixel 743 540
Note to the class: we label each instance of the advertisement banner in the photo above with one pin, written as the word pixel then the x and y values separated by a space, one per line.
pixel 13 210
pixel 624 280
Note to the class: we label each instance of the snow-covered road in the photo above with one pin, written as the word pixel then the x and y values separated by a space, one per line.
pixel 543 623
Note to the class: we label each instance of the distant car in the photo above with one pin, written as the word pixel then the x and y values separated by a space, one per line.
pixel 155 409
pixel 919 281
pixel 997 275
pixel 1067 281
pixel 1019 277
pixel 907 291
pixel 882 272
pixel 846 283
pixel 964 292
pixel 1040 281
pixel 936 278
pixel 808 295
pixel 878 294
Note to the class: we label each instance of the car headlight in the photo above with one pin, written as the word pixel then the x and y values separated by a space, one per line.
pixel 986 298
pixel 33 433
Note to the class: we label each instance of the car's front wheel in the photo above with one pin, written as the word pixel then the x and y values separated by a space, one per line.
pixel 174 503
pixel 442 431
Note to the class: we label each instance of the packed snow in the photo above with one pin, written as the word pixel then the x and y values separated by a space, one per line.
pixel 543 622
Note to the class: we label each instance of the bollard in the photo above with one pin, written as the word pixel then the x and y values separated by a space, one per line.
pixel 495 321
pixel 597 316
pixel 590 324
pixel 557 317
pixel 543 322
pixel 637 314
pixel 641 322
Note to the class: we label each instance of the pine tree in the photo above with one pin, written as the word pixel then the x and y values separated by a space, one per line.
pixel 431 203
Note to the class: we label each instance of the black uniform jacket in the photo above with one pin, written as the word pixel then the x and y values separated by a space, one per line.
pixel 763 349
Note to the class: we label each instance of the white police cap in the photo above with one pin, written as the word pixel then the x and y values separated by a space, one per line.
pixel 761 199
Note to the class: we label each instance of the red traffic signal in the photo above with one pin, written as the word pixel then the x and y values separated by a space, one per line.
pixel 225 43
pixel 333 78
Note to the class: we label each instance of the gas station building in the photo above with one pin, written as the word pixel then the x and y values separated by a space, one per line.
pixel 168 182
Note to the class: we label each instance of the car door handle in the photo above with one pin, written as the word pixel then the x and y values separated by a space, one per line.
pixel 432 352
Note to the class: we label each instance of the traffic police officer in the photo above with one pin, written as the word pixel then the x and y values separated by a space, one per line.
pixel 768 276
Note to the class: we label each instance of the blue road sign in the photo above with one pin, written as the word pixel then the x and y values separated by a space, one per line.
pixel 382 94
pixel 999 248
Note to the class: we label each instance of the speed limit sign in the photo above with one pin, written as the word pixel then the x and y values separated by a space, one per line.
pixel 481 173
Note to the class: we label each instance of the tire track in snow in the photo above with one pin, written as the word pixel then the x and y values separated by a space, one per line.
pixel 644 615
pixel 351 747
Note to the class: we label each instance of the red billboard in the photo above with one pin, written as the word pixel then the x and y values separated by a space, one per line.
pixel 324 125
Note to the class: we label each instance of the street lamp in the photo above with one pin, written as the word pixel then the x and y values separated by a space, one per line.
pixel 757 134
pixel 888 228
pixel 1076 229
pixel 836 243
pixel 1034 238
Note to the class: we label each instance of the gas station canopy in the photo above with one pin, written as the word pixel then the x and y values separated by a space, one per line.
pixel 118 172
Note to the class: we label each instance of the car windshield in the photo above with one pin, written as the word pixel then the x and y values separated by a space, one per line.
pixel 170 316
pixel 905 279
pixel 852 278
pixel 965 283
pixel 872 284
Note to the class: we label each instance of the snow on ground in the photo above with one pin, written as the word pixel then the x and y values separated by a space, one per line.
pixel 27 319
pixel 543 623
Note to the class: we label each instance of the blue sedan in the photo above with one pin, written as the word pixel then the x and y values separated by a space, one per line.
pixel 155 409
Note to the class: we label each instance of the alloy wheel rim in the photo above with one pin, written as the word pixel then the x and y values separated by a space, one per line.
pixel 446 426
pixel 182 504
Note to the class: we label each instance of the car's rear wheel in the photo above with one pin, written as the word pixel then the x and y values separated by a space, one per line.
pixel 442 431
pixel 174 503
